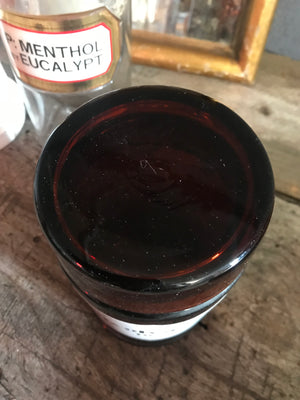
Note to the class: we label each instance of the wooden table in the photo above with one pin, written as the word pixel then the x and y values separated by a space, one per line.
pixel 52 346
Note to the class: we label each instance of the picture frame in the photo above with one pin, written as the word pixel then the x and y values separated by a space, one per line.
pixel 237 61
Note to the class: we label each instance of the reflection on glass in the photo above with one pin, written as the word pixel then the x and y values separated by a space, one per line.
pixel 213 20
pixel 155 15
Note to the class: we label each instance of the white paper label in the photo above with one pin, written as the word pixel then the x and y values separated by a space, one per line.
pixel 151 332
pixel 72 56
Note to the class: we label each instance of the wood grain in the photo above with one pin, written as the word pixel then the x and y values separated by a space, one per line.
pixel 53 347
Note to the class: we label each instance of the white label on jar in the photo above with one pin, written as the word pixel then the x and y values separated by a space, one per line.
pixel 55 55
pixel 151 332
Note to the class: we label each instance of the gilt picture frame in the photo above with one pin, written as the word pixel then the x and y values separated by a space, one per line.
pixel 237 61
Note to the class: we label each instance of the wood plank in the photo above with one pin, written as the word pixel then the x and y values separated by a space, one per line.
pixel 285 161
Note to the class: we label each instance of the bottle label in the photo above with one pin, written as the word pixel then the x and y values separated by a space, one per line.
pixel 63 53
pixel 151 332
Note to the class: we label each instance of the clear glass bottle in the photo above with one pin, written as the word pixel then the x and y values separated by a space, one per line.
pixel 65 53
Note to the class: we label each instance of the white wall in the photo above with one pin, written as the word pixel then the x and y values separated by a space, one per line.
pixel 284 36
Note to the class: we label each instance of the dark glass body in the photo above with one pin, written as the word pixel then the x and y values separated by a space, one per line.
pixel 153 197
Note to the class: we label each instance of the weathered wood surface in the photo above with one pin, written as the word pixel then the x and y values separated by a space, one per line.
pixel 52 346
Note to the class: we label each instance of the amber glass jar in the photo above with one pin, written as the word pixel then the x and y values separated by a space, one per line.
pixel 153 197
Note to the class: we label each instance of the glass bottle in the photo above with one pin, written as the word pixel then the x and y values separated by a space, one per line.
pixel 65 53
pixel 177 192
